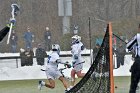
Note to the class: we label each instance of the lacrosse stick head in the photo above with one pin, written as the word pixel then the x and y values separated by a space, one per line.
pixel 15 8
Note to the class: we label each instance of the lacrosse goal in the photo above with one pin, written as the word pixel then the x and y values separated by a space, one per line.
pixel 99 78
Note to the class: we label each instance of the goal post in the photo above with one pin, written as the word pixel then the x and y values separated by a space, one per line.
pixel 111 59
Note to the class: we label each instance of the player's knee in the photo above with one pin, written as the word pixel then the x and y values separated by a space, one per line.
pixel 52 86
pixel 61 78
pixel 80 75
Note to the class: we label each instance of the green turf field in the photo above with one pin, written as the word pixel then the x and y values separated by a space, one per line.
pixel 30 86
pixel 122 84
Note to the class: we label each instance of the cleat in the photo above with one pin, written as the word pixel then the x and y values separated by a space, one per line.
pixel 40 85
pixel 71 87
pixel 67 90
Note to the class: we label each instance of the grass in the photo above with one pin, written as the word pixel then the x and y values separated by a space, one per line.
pixel 30 86
pixel 122 84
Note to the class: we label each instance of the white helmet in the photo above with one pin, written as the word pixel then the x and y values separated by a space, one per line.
pixel 76 39
pixel 22 50
pixel 55 47
pixel 79 38
pixel 47 28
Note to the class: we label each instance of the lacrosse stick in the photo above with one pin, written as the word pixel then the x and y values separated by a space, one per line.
pixel 15 9
pixel 74 64
pixel 61 71
pixel 66 64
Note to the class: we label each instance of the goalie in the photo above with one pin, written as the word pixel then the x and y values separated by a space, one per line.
pixel 52 71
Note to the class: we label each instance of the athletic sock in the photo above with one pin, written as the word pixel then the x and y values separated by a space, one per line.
pixel 70 87
pixel 43 83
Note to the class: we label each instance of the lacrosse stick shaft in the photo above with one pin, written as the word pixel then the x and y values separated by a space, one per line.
pixel 78 64
pixel 9 35
pixel 119 38
pixel 11 26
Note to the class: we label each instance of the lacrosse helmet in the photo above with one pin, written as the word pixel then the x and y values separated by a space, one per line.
pixel 47 28
pixel 56 47
pixel 22 50
pixel 76 39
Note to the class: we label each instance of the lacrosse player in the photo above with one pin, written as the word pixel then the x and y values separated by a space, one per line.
pixel 52 71
pixel 76 49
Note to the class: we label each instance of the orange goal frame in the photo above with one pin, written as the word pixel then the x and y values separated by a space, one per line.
pixel 111 59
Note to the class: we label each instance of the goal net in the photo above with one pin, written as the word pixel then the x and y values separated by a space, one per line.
pixel 99 78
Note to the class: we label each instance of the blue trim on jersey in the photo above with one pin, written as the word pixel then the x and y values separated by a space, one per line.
pixel 49 57
pixel 82 47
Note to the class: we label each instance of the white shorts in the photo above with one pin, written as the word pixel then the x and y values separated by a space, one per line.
pixel 78 67
pixel 53 73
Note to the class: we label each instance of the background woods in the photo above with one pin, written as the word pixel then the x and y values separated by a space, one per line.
pixel 37 14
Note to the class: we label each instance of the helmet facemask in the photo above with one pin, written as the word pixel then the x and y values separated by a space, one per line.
pixel 76 39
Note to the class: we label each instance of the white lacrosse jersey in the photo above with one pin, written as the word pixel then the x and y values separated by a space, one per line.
pixel 76 48
pixel 52 71
pixel 77 62
pixel 53 57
